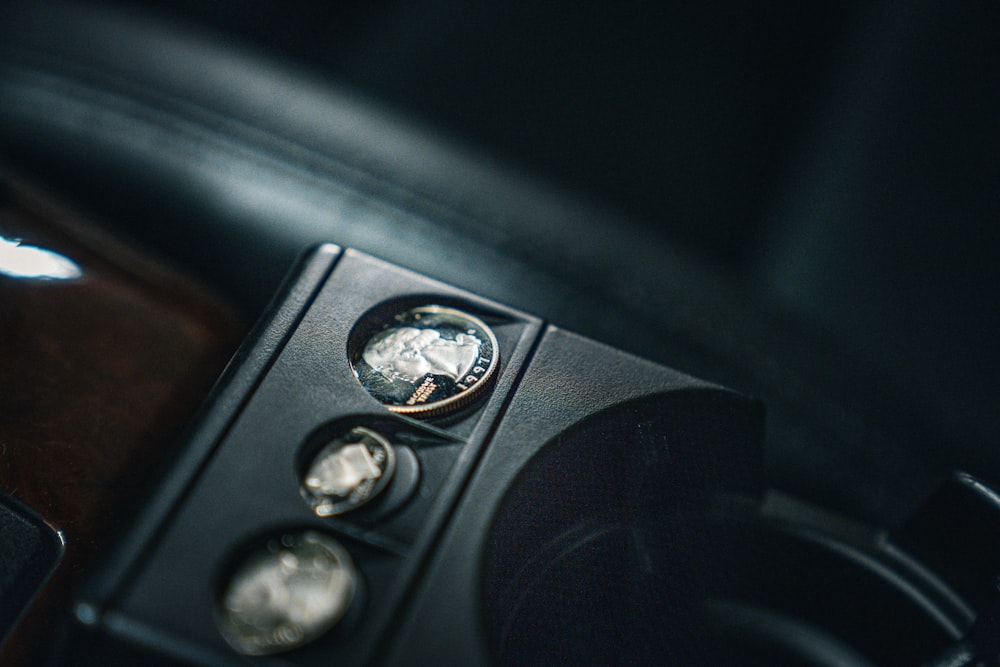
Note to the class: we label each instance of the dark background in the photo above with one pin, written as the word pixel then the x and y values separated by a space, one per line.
pixel 800 201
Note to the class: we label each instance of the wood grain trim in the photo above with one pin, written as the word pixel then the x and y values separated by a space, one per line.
pixel 98 377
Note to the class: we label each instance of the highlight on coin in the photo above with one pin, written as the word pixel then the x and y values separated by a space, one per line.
pixel 427 361
pixel 291 591
pixel 349 471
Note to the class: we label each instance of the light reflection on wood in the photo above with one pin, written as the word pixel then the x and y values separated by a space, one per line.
pixel 98 376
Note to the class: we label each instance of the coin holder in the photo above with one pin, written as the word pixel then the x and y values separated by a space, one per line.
pixel 240 474
pixel 587 505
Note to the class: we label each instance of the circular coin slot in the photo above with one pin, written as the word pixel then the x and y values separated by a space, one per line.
pixel 424 361
pixel 286 593
pixel 350 470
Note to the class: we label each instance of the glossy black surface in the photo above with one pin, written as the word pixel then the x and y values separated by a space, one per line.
pixel 29 552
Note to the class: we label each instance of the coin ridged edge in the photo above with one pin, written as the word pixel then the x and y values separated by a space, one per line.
pixel 458 401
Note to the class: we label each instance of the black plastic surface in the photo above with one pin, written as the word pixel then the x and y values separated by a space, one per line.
pixel 250 488
pixel 227 399
pixel 599 458
pixel 592 505
pixel 30 549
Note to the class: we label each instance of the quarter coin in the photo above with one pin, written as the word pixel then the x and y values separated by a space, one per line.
pixel 287 594
pixel 427 361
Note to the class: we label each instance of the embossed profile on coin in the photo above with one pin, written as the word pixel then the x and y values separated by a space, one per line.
pixel 427 361
pixel 348 472
pixel 287 594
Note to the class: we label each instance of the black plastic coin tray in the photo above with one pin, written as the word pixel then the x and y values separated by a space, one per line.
pixel 237 482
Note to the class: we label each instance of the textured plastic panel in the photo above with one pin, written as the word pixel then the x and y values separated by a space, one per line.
pixel 248 490
pixel 601 473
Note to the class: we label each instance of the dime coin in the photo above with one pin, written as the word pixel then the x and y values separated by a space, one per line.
pixel 348 472
pixel 427 361
pixel 287 594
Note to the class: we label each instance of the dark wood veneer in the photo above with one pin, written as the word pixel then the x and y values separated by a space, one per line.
pixel 98 377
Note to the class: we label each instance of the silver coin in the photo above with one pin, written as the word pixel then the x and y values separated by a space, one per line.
pixel 348 472
pixel 427 361
pixel 288 594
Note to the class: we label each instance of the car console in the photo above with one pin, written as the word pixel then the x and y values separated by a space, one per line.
pixel 660 335
pixel 396 471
